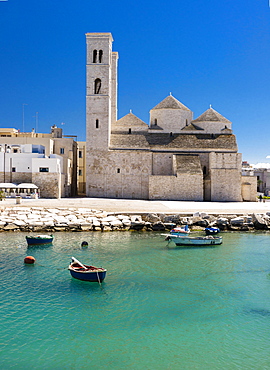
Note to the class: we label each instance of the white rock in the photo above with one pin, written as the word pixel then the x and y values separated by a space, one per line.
pixel 136 218
pixel 19 223
pixel 237 221
pixel 116 223
pixel 109 219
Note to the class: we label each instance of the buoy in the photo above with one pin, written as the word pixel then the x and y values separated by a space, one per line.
pixel 29 260
pixel 84 244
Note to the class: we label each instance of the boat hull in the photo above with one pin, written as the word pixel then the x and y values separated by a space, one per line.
pixel 196 241
pixel 95 275
pixel 211 230
pixel 38 240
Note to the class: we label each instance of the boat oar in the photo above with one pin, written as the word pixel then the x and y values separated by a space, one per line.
pixel 79 263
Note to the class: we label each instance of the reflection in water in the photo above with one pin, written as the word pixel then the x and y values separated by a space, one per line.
pixel 158 308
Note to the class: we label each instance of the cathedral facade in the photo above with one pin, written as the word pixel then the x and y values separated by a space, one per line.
pixel 175 157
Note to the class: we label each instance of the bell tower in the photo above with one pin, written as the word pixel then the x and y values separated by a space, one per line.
pixel 101 90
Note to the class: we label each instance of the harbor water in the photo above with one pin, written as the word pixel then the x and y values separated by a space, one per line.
pixel 159 307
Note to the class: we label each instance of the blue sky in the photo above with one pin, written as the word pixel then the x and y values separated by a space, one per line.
pixel 203 52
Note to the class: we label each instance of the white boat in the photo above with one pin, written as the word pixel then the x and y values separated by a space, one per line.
pixel 182 231
pixel 197 241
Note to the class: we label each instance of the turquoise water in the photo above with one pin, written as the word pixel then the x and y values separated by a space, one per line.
pixel 158 308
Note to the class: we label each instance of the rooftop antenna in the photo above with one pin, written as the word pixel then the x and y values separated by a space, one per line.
pixel 23 116
pixel 36 116
pixel 36 122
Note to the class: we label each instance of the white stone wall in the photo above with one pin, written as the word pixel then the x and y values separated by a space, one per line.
pixel 97 108
pixel 225 174
pixel 114 86
pixel 183 187
pixel 49 184
pixel 162 164
pixel 249 188
pixel 119 174
pixel 171 120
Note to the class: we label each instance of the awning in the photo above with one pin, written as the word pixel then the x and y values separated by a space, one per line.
pixel 8 185
pixel 27 186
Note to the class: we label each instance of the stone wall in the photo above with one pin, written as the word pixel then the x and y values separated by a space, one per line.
pixel 171 120
pixel 162 164
pixel 49 184
pixel 119 174
pixel 184 186
pixel 249 188
pixel 226 185
pixel 19 177
pixel 225 176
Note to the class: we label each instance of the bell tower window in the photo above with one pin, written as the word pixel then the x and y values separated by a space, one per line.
pixel 97 86
pixel 94 56
pixel 100 56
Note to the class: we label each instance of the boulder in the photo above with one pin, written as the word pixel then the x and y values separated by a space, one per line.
pixel 238 221
pixel 137 225
pixel 152 217
pixel 10 227
pixel 158 226
pixel 259 222
pixel 136 218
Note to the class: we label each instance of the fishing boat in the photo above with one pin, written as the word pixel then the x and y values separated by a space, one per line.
pixel 196 241
pixel 180 231
pixel 85 272
pixel 211 230
pixel 39 239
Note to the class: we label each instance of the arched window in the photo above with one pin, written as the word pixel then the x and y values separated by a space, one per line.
pixel 155 122
pixel 94 56
pixel 97 86
pixel 100 55
pixel 204 170
pixel 97 123
pixel 129 130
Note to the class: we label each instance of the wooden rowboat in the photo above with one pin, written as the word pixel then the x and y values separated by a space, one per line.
pixel 39 239
pixel 86 272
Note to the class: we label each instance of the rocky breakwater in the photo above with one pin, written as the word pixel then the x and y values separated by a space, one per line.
pixel 40 219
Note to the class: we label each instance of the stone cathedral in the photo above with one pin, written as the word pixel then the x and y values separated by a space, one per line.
pixel 175 157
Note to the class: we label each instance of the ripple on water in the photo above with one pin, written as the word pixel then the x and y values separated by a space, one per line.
pixel 158 308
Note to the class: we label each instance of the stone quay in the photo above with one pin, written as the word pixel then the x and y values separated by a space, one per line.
pixel 59 219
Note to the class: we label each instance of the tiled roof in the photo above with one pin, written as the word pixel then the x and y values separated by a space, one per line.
pixel 131 120
pixel 192 127
pixel 165 141
pixel 211 115
pixel 170 103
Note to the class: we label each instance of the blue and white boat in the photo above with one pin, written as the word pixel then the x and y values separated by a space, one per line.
pixel 183 231
pixel 212 230
pixel 195 241
pixel 85 272
pixel 39 239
